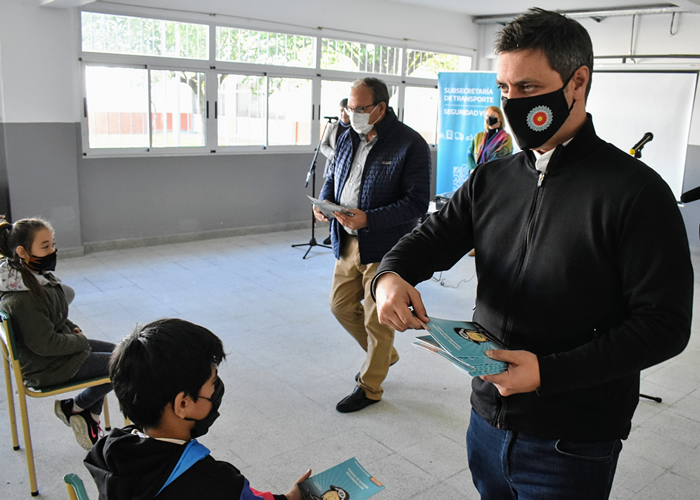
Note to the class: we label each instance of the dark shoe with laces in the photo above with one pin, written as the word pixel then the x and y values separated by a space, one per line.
pixel 356 401
pixel 63 409
pixel 87 431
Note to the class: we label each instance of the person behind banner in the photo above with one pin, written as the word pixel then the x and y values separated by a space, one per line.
pixel 494 142
pixel 165 377
pixel 585 276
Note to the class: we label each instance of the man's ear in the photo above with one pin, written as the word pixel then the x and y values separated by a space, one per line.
pixel 24 255
pixel 581 78
pixel 180 404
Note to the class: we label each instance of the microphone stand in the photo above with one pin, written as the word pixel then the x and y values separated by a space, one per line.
pixel 312 175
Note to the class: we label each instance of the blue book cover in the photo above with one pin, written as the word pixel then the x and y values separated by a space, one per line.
pixel 346 481
pixel 464 344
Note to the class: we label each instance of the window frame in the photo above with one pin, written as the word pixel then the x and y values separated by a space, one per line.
pixel 212 68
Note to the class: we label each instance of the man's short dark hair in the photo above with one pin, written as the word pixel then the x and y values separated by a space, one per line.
pixel 344 102
pixel 154 363
pixel 564 42
pixel 379 90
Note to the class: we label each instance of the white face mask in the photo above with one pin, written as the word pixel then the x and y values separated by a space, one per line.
pixel 360 121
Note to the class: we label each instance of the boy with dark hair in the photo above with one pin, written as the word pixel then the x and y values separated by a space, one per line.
pixel 165 377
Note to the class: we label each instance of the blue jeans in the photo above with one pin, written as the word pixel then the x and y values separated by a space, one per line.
pixel 511 465
pixel 97 365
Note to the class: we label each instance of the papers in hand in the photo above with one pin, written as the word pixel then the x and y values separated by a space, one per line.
pixel 327 208
pixel 347 480
pixel 462 343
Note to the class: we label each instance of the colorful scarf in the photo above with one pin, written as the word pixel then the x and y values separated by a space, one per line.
pixel 498 146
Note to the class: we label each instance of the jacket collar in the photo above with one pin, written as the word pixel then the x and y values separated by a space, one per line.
pixel 579 147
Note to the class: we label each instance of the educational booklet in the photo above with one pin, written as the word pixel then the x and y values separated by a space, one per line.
pixel 462 343
pixel 346 481
pixel 327 208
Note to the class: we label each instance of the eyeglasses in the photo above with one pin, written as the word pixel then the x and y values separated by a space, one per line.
pixel 361 109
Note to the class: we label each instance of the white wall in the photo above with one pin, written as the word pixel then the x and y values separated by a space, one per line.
pixel 40 73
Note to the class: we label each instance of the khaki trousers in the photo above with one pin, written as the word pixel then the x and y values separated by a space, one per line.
pixel 351 285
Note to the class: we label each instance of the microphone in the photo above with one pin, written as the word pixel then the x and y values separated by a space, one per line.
pixel 692 195
pixel 330 118
pixel 638 147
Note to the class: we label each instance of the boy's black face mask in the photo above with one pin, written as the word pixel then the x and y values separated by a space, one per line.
pixel 201 427
pixel 534 120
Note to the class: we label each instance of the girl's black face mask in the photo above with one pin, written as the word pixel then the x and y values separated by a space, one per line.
pixel 201 427
pixel 43 264
pixel 534 120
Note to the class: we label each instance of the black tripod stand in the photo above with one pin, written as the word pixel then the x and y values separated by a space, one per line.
pixel 312 175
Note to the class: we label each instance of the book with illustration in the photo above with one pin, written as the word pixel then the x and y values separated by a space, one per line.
pixel 345 481
pixel 462 343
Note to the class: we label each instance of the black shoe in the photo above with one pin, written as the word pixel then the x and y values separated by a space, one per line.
pixel 356 401
pixel 327 241
pixel 63 409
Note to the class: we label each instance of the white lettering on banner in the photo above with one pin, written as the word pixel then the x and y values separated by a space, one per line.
pixel 469 98
pixel 464 112
pixel 458 90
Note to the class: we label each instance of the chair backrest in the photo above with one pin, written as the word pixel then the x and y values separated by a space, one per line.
pixel 75 487
pixel 7 335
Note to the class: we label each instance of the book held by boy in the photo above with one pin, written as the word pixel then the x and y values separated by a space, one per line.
pixel 345 481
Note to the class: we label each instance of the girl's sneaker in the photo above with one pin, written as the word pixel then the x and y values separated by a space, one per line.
pixel 64 410
pixel 86 430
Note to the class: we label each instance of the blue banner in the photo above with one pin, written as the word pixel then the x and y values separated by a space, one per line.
pixel 463 99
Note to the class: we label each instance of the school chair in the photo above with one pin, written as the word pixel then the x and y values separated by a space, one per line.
pixel 11 362
pixel 75 487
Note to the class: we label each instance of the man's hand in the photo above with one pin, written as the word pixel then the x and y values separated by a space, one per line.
pixel 394 296
pixel 294 493
pixel 319 215
pixel 77 330
pixel 522 375
pixel 358 221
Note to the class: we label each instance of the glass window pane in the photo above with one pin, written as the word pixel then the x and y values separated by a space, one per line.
pixel 177 101
pixel 241 110
pixel 289 102
pixel 112 34
pixel 117 104
pixel 359 57
pixel 421 111
pixel 423 64
pixel 331 94
pixel 262 47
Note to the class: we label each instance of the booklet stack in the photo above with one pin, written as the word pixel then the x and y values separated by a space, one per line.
pixel 462 343
pixel 346 481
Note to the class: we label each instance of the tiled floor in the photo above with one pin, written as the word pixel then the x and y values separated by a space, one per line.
pixel 290 362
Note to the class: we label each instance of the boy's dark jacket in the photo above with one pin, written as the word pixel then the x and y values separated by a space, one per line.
pixel 128 466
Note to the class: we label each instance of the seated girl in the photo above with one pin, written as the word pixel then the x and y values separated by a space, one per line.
pixel 52 350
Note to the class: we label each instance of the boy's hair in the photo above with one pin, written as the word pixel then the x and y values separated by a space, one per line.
pixel 564 42
pixel 154 363
pixel 21 234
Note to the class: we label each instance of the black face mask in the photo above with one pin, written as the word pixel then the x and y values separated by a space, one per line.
pixel 534 120
pixel 492 120
pixel 201 427
pixel 42 264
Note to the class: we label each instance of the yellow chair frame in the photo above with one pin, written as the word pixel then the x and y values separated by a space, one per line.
pixel 11 362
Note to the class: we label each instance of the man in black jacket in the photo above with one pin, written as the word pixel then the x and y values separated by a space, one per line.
pixel 585 276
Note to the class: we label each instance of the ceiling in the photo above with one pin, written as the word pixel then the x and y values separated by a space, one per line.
pixel 500 7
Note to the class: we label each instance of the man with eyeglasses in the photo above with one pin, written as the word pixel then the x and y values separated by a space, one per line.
pixel 381 174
